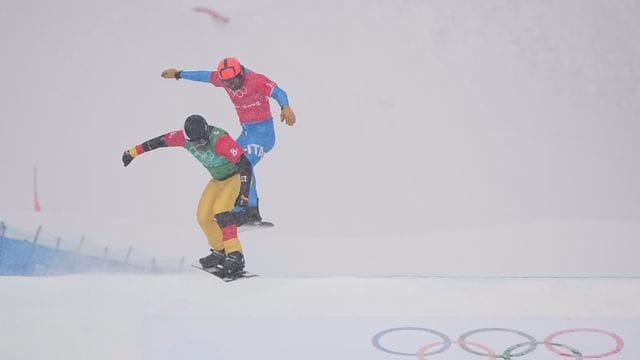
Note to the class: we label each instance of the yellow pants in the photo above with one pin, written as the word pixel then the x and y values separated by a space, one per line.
pixel 219 196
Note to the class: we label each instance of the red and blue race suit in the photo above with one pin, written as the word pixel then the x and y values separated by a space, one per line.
pixel 252 105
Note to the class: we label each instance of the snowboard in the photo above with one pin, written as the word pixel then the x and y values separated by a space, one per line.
pixel 251 226
pixel 217 272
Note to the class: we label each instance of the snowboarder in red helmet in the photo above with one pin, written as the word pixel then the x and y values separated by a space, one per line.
pixel 249 92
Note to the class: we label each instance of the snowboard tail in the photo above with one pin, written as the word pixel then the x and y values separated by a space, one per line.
pixel 250 226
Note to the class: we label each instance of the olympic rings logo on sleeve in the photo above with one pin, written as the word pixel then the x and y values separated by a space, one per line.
pixel 516 350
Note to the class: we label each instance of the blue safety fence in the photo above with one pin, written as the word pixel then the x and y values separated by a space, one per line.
pixel 37 253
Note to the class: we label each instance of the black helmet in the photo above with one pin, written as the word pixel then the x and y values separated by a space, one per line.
pixel 196 129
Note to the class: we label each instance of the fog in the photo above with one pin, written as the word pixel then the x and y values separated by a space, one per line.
pixel 445 151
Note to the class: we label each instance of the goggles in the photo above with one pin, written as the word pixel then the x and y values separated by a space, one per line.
pixel 199 139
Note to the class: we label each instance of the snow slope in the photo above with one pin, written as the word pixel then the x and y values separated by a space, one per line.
pixel 137 317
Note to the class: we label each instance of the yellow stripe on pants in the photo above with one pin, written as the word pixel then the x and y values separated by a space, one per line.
pixel 218 196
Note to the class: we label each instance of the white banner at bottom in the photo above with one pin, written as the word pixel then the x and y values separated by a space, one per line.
pixel 389 338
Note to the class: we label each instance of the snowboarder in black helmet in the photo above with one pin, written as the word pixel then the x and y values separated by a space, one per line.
pixel 231 176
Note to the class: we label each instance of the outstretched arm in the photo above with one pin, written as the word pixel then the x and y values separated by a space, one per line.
pixel 201 76
pixel 174 138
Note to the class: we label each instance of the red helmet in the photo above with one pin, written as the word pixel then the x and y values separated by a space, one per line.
pixel 229 68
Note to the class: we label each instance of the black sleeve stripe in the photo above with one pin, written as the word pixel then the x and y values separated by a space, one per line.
pixel 154 143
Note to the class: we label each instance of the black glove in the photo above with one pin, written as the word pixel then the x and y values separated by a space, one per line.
pixel 242 201
pixel 126 158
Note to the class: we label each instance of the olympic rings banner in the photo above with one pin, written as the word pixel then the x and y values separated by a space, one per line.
pixel 390 338
pixel 520 349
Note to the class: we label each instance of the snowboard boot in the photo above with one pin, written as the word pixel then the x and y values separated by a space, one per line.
pixel 250 215
pixel 212 260
pixel 233 264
